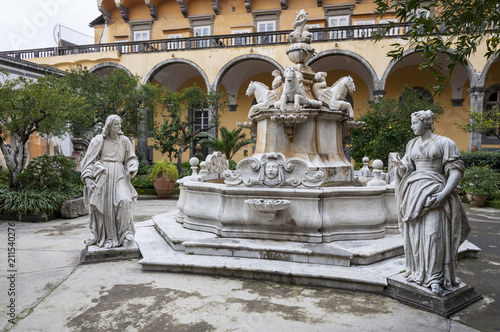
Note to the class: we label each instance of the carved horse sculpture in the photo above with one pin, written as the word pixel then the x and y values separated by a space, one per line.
pixel 334 96
pixel 265 98
pixel 293 91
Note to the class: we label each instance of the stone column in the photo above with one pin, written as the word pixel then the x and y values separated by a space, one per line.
pixel 142 138
pixel 379 94
pixel 476 105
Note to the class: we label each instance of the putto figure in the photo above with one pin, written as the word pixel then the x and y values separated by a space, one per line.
pixel 107 168
pixel 431 215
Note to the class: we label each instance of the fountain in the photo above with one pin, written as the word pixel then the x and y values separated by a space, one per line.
pixel 292 211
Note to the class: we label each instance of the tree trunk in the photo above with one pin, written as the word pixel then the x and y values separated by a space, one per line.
pixel 15 159
pixel 179 157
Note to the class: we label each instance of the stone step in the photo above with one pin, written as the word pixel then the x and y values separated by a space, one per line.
pixel 348 278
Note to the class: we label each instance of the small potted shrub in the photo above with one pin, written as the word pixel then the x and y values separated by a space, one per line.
pixel 164 176
pixel 479 182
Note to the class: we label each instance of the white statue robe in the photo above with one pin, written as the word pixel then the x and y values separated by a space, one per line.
pixel 431 236
pixel 110 204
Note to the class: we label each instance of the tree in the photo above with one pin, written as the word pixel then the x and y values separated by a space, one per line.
pixel 27 107
pixel 118 92
pixel 182 111
pixel 388 125
pixel 229 142
pixel 487 122
pixel 460 26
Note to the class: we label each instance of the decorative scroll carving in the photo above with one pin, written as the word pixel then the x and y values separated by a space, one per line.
pixel 217 162
pixel 184 7
pixel 248 5
pixel 216 6
pixel 284 4
pixel 123 10
pixel 153 11
pixel 274 170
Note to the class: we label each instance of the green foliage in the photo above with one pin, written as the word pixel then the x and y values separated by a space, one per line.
pixel 183 108
pixel 465 25
pixel 163 168
pixel 27 106
pixel 185 169
pixel 49 172
pixel 482 158
pixel 388 125
pixel 4 177
pixel 232 164
pixel 481 180
pixel 486 122
pixel 117 92
pixel 143 182
pixel 35 201
pixel 144 169
pixel 229 143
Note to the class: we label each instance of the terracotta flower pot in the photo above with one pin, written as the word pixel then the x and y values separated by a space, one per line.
pixel 164 186
pixel 476 199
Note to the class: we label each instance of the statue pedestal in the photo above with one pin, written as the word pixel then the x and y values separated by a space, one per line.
pixel 94 254
pixel 318 140
pixel 421 297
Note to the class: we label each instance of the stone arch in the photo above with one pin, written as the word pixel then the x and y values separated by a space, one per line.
pixel 156 69
pixel 105 65
pixel 482 78
pixel 468 69
pixel 371 79
pixel 237 60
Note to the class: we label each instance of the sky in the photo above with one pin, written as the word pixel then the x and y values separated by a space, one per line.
pixel 29 24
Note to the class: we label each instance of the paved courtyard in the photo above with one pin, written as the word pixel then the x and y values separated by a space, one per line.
pixel 54 293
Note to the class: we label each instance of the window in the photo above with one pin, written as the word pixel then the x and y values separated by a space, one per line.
pixel 338 21
pixel 338 15
pixel 141 35
pixel 202 25
pixel 266 21
pixel 240 40
pixel 140 31
pixel 201 119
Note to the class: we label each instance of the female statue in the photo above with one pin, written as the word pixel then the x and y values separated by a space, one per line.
pixel 107 168
pixel 431 215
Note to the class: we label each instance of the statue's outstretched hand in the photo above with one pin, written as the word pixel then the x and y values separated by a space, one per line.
pixel 90 184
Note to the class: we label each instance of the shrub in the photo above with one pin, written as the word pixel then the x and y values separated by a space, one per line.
pixel 162 167
pixel 482 158
pixel 143 182
pixel 49 172
pixel 481 180
pixel 36 201
pixel 4 177
pixel 185 169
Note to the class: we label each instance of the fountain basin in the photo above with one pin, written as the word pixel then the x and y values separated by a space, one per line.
pixel 314 215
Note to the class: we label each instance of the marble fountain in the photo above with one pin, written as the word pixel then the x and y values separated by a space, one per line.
pixel 291 212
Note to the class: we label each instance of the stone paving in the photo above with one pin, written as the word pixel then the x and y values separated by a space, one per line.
pixel 55 293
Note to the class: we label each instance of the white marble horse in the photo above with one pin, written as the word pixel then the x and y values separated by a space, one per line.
pixel 293 91
pixel 334 96
pixel 265 98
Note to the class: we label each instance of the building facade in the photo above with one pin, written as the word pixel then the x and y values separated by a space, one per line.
pixel 223 45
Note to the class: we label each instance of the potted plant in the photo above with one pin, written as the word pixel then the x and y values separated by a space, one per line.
pixel 164 176
pixel 479 182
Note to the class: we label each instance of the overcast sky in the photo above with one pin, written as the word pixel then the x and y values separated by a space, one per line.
pixel 28 24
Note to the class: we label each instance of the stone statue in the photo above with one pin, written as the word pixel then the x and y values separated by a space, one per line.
pixel 334 96
pixel 300 32
pixel 107 168
pixel 431 215
pixel 265 98
pixel 293 91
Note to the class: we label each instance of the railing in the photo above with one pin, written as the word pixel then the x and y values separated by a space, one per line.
pixel 320 35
